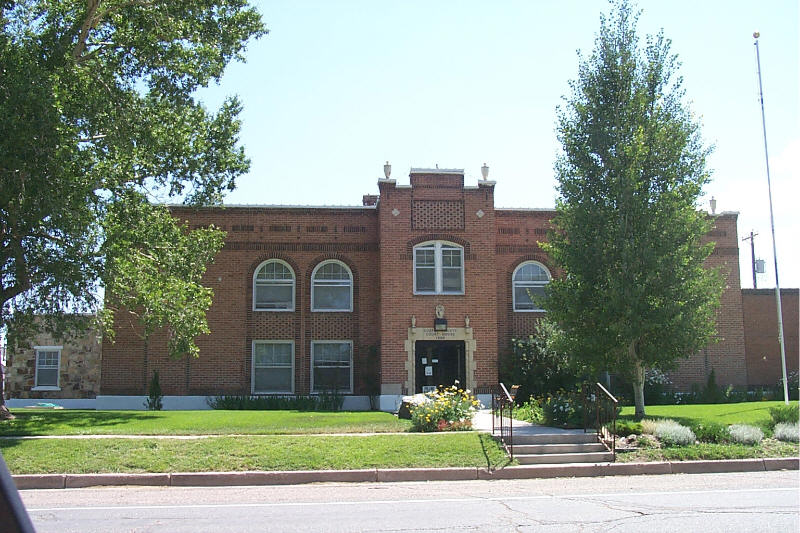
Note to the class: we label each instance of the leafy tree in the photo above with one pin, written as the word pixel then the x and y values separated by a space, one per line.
pixel 537 364
pixel 627 232
pixel 98 123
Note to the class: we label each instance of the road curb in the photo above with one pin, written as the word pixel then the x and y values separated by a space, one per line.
pixel 297 477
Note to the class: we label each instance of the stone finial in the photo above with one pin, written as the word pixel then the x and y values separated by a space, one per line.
pixel 466 321
pixel 413 321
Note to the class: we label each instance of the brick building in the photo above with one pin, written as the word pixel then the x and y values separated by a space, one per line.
pixel 422 284
pixel 761 334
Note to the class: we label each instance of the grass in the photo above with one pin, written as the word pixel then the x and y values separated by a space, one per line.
pixel 753 413
pixel 209 422
pixel 251 453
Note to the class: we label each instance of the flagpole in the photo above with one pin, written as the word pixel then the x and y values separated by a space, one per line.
pixel 772 224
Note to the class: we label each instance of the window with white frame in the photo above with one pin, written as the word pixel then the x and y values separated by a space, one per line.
pixel 48 362
pixel 273 367
pixel 438 268
pixel 273 287
pixel 528 282
pixel 331 287
pixel 332 366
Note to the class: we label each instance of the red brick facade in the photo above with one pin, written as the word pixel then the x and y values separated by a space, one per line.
pixel 377 244
pixel 761 334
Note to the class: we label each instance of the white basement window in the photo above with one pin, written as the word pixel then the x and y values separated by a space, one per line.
pixel 48 363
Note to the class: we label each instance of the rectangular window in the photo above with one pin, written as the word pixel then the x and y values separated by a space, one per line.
pixel 332 363
pixel 273 367
pixel 48 362
pixel 438 269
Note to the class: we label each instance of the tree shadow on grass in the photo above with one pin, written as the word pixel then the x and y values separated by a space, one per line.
pixel 30 422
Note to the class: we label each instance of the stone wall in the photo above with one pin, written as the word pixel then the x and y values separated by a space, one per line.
pixel 79 368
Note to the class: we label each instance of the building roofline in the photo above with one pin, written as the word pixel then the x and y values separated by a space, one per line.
pixel 416 170
pixel 272 206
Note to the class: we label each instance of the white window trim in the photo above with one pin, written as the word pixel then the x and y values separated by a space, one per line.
pixel 332 341
pixel 36 350
pixel 314 273
pixel 437 268
pixel 253 367
pixel 531 284
pixel 294 287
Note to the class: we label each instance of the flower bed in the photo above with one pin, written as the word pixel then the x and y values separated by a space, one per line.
pixel 446 409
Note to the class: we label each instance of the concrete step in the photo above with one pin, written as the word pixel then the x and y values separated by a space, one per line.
pixel 554 438
pixel 586 447
pixel 560 458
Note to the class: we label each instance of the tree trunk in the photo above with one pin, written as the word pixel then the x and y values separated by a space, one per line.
pixel 5 414
pixel 638 389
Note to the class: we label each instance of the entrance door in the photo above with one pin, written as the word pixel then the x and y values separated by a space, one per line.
pixel 439 363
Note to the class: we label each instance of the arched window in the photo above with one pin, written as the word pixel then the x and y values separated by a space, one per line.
pixel 528 281
pixel 331 287
pixel 438 268
pixel 273 287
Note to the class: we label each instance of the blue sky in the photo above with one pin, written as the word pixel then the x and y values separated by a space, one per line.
pixel 339 87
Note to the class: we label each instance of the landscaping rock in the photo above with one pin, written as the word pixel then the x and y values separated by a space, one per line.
pixel 408 401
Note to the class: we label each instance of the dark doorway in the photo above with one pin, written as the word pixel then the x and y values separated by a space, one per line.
pixel 439 363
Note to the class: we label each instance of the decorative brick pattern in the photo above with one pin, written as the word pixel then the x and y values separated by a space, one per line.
pixel 437 215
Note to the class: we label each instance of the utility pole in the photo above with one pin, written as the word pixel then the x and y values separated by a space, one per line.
pixel 772 224
pixel 752 239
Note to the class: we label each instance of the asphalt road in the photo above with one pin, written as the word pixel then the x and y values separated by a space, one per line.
pixel 739 502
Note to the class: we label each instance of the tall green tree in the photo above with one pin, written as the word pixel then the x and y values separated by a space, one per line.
pixel 627 232
pixel 99 126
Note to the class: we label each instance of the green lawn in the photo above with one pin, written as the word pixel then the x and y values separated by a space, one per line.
pixel 754 413
pixel 209 422
pixel 40 456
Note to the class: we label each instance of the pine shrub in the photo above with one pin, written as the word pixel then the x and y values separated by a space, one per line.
pixel 787 414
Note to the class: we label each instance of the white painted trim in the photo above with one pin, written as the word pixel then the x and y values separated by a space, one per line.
pixel 457 171
pixel 294 286
pixel 529 283
pixel 253 367
pixel 332 341
pixel 314 273
pixel 36 350
pixel 437 269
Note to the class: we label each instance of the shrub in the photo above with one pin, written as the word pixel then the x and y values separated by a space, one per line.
pixel 446 409
pixel 537 365
pixel 154 397
pixel 711 432
pixel 321 402
pixel 648 426
pixel 564 408
pixel 744 434
pixel 793 382
pixel 671 433
pixel 530 411
pixel 626 428
pixel 712 393
pixel 787 432
pixel 784 414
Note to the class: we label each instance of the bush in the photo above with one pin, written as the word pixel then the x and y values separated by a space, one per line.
pixel 671 433
pixel 626 428
pixel 712 393
pixel 564 408
pixel 787 432
pixel 744 434
pixel 321 402
pixel 784 414
pixel 530 411
pixel 154 397
pixel 711 432
pixel 537 365
pixel 648 426
pixel 793 382
pixel 446 409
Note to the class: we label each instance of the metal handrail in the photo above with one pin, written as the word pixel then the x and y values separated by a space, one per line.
pixel 605 414
pixel 502 409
